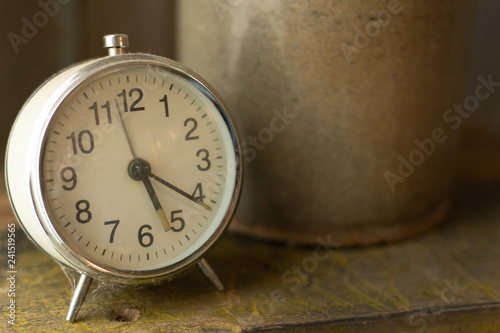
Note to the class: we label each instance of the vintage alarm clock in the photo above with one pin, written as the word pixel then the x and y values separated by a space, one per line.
pixel 125 168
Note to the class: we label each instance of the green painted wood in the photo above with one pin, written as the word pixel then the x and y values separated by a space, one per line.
pixel 441 281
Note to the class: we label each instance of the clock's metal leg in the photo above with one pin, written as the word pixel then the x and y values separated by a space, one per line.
pixel 209 273
pixel 79 294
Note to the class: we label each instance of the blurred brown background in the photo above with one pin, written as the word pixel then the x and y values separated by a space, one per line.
pixel 72 30
pixel 486 60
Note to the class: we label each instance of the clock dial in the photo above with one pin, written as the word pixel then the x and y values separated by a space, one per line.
pixel 137 169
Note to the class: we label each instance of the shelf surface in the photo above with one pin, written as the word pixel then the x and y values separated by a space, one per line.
pixel 443 280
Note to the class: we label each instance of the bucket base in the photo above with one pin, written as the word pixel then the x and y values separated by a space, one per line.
pixel 342 237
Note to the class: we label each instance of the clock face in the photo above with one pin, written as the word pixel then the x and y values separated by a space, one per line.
pixel 138 169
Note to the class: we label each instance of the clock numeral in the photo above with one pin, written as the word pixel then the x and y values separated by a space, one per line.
pixel 83 214
pixel 96 111
pixel 198 193
pixel 205 159
pixel 165 101
pixel 115 225
pixel 174 218
pixel 132 92
pixel 72 179
pixel 195 125
pixel 86 145
pixel 145 238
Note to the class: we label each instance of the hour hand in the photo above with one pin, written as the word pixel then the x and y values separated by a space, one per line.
pixel 181 192
pixel 140 169
pixel 156 204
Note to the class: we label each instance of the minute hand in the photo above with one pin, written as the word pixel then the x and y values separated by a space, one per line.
pixel 181 192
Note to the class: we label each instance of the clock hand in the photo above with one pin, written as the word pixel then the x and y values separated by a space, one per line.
pixel 125 129
pixel 140 169
pixel 181 192
pixel 147 183
pixel 156 204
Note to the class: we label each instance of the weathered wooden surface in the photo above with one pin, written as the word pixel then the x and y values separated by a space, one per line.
pixel 442 281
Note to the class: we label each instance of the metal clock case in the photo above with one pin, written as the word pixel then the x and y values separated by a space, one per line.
pixel 125 168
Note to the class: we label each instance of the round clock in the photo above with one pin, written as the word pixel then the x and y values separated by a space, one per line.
pixel 125 168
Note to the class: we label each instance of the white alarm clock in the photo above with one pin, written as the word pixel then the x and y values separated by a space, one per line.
pixel 125 168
